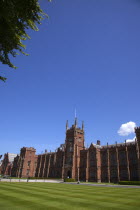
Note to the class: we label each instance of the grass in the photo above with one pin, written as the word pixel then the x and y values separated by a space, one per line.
pixel 36 196
pixel 100 183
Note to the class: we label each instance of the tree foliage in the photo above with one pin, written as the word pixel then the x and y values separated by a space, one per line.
pixel 16 16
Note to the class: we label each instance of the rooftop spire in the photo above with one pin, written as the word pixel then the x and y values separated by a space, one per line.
pixel 75 122
pixel 75 114
pixel 67 126
pixel 83 125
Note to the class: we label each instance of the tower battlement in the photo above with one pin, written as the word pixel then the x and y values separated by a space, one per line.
pixel 137 129
pixel 74 126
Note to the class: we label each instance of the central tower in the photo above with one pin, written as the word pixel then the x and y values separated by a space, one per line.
pixel 74 143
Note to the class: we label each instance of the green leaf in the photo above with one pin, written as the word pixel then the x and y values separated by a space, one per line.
pixel 3 79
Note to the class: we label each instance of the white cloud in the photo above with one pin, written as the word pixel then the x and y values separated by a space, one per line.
pixel 131 140
pixel 127 128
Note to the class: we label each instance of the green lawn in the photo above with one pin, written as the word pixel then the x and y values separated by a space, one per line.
pixel 36 196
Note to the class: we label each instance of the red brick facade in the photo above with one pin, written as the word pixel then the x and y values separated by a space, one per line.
pixel 7 164
pixel 26 165
pixel 110 163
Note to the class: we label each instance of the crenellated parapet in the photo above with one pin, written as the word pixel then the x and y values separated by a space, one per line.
pixel 137 129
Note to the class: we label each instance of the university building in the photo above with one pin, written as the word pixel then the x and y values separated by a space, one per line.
pixel 110 163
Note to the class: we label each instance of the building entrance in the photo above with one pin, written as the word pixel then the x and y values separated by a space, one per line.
pixel 69 174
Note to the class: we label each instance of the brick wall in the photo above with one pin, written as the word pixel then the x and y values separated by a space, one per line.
pixel 110 163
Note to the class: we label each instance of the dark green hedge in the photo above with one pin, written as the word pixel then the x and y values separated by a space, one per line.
pixel 129 182
pixel 69 180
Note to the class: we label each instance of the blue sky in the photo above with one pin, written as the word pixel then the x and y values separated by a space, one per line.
pixel 86 55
